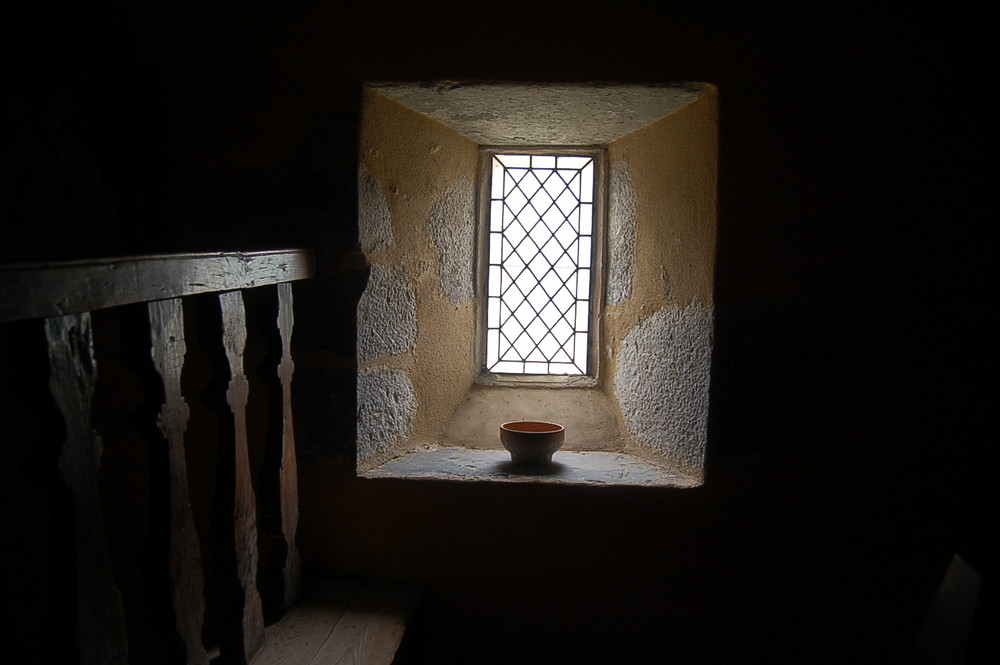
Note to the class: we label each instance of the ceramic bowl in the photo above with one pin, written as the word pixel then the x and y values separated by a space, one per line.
pixel 531 442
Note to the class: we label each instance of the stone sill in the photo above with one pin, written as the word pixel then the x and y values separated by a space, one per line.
pixel 569 467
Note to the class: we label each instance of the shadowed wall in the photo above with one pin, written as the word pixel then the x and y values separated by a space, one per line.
pixel 845 461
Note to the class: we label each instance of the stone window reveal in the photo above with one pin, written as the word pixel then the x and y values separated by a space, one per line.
pixel 429 400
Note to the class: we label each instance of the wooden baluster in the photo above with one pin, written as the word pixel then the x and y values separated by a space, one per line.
pixel 234 335
pixel 288 478
pixel 166 321
pixel 100 618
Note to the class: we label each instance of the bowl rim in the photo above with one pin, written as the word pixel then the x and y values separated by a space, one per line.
pixel 555 427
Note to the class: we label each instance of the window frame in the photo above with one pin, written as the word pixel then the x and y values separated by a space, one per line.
pixel 593 375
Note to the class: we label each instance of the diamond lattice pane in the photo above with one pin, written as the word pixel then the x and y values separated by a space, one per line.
pixel 540 257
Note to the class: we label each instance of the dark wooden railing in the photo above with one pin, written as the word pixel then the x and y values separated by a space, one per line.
pixel 63 295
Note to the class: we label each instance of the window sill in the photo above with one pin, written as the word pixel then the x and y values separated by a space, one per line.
pixel 469 449
pixel 536 380
pixel 569 467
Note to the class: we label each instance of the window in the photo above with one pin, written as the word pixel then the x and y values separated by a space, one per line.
pixel 542 213
pixel 431 387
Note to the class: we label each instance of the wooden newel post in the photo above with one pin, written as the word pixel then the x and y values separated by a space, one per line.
pixel 100 618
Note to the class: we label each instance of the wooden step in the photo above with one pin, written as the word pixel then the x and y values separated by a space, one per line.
pixel 341 622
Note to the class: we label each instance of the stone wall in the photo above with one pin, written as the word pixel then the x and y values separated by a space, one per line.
pixel 416 323
pixel 658 325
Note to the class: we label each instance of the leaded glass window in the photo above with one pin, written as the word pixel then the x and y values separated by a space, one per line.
pixel 540 246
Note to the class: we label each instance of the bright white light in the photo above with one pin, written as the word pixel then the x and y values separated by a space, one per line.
pixel 538 281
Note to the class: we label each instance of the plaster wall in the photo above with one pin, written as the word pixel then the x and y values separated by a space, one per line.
pixel 537 114
pixel 658 320
pixel 591 420
pixel 416 318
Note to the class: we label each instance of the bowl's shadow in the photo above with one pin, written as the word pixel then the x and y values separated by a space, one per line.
pixel 550 469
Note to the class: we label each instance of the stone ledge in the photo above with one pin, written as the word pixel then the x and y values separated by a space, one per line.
pixel 569 467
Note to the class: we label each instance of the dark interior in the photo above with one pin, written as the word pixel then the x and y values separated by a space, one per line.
pixel 848 453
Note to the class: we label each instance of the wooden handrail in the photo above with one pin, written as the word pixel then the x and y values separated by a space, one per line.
pixel 42 290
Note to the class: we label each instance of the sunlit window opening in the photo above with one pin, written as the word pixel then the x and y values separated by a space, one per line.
pixel 540 248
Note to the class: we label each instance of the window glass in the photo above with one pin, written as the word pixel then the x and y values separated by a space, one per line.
pixel 540 251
